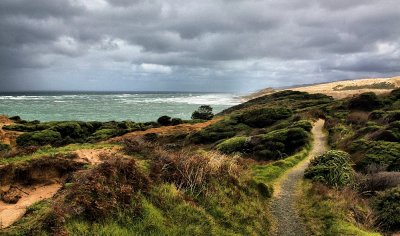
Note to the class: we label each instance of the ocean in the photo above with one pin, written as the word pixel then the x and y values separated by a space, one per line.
pixel 100 106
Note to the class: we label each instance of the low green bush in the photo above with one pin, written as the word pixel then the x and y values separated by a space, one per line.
pixel 222 129
pixel 332 168
pixel 377 153
pixel 176 121
pixel 365 102
pixel 39 138
pixel 104 134
pixel 235 144
pixel 4 147
pixel 279 144
pixel 304 124
pixel 164 120
pixel 69 129
pixel 263 117
pixel 387 209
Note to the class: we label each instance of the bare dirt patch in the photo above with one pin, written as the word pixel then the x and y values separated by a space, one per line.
pixel 10 213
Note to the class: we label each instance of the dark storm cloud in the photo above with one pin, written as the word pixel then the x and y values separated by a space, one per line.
pixel 253 42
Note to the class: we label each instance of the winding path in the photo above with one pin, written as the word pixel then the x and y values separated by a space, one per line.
pixel 287 221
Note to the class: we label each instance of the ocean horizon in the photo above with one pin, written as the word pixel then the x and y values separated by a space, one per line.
pixel 137 106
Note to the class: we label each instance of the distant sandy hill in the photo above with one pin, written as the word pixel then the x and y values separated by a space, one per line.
pixel 342 89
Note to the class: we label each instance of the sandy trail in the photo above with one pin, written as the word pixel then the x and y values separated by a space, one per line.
pixel 283 202
pixel 10 213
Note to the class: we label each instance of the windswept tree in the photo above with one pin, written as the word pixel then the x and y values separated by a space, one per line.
pixel 204 112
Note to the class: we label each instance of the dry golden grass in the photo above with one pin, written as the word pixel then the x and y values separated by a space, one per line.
pixel 329 90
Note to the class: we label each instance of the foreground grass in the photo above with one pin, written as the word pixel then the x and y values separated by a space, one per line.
pixel 271 172
pixel 48 150
pixel 326 213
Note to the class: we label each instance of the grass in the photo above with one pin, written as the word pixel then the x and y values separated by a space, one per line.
pixel 48 150
pixel 167 212
pixel 326 213
pixel 269 173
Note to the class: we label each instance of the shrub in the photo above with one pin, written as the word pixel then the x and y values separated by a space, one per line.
pixel 304 124
pixel 235 144
pixel 392 116
pixel 376 115
pixel 203 113
pixel 332 168
pixel 103 190
pixel 263 117
pixel 150 137
pixel 69 129
pixel 379 181
pixel 395 94
pixel 176 121
pixel 387 208
pixel 279 143
pixel 222 129
pixel 365 102
pixel 164 120
pixel 39 138
pixel 4 147
pixel 377 152
pixel 194 173
pixel 265 190
pixel 104 134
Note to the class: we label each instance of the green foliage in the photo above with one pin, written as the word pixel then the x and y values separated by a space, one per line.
pixel 4 147
pixel 222 129
pixel 235 144
pixel 164 120
pixel 263 117
pixel 379 85
pixel 39 138
pixel 287 98
pixel 377 152
pixel 103 134
pixel 326 212
pixel 203 113
pixel 176 121
pixel 69 129
pixel 332 168
pixel 270 172
pixel 265 189
pixel 304 124
pixel 279 143
pixel 387 207
pixel 395 94
pixel 365 102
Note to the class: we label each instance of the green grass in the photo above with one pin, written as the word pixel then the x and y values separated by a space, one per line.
pixel 328 215
pixel 167 212
pixel 271 172
pixel 48 150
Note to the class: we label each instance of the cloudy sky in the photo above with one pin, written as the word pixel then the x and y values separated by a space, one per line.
pixel 194 45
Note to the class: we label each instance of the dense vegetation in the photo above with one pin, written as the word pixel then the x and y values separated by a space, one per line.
pixel 367 128
pixel 216 179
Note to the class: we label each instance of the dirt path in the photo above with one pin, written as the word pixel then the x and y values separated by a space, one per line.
pixel 282 206
pixel 10 213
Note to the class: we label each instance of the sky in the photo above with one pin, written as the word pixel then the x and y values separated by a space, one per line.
pixel 194 45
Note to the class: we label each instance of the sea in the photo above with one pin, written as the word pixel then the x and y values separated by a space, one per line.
pixel 107 106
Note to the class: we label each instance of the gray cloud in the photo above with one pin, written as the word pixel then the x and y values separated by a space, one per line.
pixel 180 44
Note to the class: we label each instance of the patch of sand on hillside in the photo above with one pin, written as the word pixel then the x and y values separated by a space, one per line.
pixel 7 137
pixel 328 88
pixel 10 213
